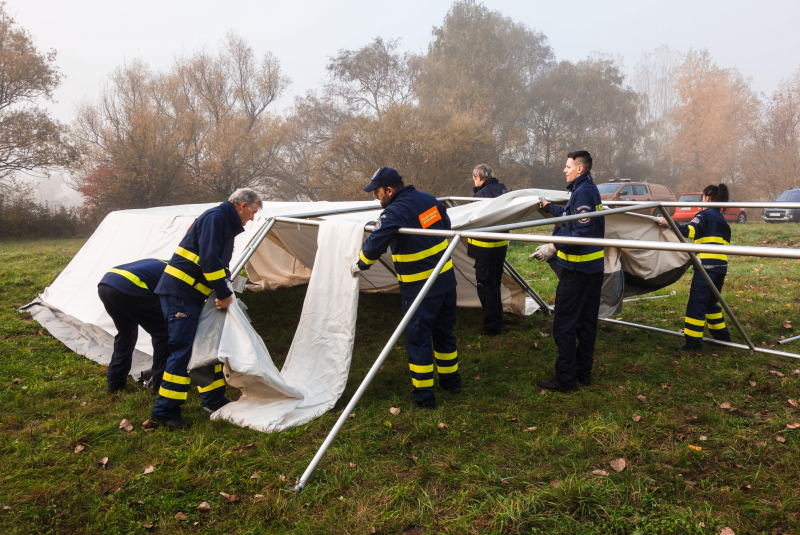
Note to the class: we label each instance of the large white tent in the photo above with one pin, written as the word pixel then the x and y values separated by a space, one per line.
pixel 315 372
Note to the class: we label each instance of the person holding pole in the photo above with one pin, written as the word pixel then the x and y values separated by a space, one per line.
pixel 489 256
pixel 708 226
pixel 198 267
pixel 414 258
pixel 126 292
pixel 578 291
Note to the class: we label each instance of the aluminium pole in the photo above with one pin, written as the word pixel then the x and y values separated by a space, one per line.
pixel 252 246
pixel 699 266
pixel 301 483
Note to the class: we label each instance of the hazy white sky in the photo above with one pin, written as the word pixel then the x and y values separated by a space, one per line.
pixel 92 37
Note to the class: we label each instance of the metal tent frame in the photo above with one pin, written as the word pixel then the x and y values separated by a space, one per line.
pixel 499 233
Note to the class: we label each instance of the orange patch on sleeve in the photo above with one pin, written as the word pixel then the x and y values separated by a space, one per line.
pixel 429 217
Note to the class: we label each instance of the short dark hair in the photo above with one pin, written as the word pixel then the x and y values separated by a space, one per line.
pixel 396 186
pixel 584 157
pixel 716 193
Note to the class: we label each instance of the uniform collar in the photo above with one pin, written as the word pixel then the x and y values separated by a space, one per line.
pixel 398 193
pixel 578 181
pixel 476 189
pixel 232 216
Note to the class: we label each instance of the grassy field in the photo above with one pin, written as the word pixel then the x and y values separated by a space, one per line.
pixel 511 459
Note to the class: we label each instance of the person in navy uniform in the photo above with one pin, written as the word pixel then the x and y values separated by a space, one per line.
pixel 489 256
pixel 126 292
pixel 708 226
pixel 578 293
pixel 198 267
pixel 414 258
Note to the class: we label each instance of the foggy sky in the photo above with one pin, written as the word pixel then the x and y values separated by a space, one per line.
pixel 93 37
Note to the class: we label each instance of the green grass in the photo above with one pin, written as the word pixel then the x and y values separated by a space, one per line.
pixel 484 473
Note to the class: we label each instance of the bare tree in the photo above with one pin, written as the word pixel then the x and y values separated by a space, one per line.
pixel 29 138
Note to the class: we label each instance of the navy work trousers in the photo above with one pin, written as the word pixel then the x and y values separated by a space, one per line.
pixel 128 312
pixel 182 317
pixel 488 273
pixel 703 309
pixel 434 320
pixel 576 308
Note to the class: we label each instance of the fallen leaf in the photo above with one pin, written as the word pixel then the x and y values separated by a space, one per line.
pixel 651 488
pixel 793 426
pixel 83 404
pixel 372 530
pixel 180 516
pixel 477 377
pixel 690 483
pixel 147 424
pixel 642 399
pixel 753 383
pixel 352 415
pixel 636 417
pixel 599 473
pixel 621 387
pixel 795 372
pixel 792 402
pixel 703 438
pixel 513 420
pixel 725 406
pixel 412 457
pixel 413 529
pixel 787 325
pixel 745 488
pixel 283 477
pixel 196 523
pixel 727 531
pixel 395 410
pixel 780 439
pixel 230 498
pixel 776 373
pixel 103 462
pixel 204 507
pixel 149 429
pixel 352 465
pixel 555 484
pixel 79 448
pixel 695 448
pixel 442 425
pixel 149 469
pixel 254 476
pixel 543 392
pixel 6 508
pixel 618 464
pixel 126 425
pixel 530 429
pixel 258 495
pixel 147 526
pixel 709 395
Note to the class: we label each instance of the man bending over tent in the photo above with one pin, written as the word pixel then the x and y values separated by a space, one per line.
pixel 414 258
pixel 198 267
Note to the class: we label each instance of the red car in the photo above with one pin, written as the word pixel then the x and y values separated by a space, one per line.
pixel 687 213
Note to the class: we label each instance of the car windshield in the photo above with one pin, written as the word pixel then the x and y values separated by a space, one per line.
pixel 607 188
pixel 792 195
pixel 691 198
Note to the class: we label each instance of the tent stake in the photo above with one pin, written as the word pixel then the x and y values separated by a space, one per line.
pixel 303 481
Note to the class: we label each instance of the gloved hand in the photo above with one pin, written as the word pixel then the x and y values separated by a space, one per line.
pixel 661 222
pixel 543 252
pixel 355 270
pixel 543 201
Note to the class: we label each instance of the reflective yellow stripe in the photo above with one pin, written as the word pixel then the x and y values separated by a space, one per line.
pixel 366 260
pixel 421 369
pixel 598 207
pixel 177 379
pixel 695 322
pixel 691 232
pixel 216 384
pixel 713 256
pixel 711 239
pixel 445 356
pixel 178 274
pixel 422 384
pixel 188 255
pixel 716 326
pixel 214 276
pixel 130 276
pixel 582 257
pixel 424 275
pixel 420 255
pixel 171 394
pixel 218 368
pixel 714 316
pixel 447 369
pixel 489 244
pixel 694 334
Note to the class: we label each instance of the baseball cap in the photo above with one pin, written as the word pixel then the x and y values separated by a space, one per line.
pixel 385 176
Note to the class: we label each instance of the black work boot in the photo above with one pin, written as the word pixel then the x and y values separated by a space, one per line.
pixel 428 403
pixel 175 423
pixel 211 408
pixel 585 380
pixel 689 349
pixel 554 386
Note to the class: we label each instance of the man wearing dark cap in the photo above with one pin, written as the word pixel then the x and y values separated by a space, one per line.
pixel 414 258
pixel 127 295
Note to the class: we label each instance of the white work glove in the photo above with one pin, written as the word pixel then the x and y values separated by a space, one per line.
pixel 355 270
pixel 543 201
pixel 544 252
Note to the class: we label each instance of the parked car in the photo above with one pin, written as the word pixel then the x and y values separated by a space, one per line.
pixel 687 213
pixel 778 215
pixel 625 190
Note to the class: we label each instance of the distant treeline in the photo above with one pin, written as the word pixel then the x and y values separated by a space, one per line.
pixel 488 90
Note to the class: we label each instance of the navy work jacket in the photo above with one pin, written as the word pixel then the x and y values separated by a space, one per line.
pixel 709 226
pixel 584 199
pixel 200 263
pixel 137 279
pixel 414 256
pixel 488 250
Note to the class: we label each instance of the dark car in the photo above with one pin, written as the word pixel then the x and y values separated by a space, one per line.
pixel 781 215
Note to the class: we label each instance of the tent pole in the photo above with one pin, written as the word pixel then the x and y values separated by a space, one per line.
pixel 698 266
pixel 252 246
pixel 303 481
pixel 792 339
pixel 511 270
